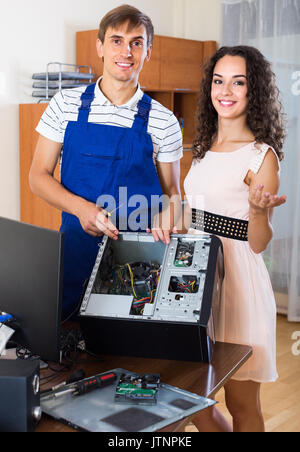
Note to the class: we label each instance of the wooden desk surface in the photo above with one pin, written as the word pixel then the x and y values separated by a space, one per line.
pixel 200 378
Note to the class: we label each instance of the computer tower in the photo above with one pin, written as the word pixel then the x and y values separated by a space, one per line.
pixel 148 299
pixel 19 395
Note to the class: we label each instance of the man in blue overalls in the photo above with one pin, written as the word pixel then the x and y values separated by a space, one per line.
pixel 100 157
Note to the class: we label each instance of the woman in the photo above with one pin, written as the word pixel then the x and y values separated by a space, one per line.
pixel 235 175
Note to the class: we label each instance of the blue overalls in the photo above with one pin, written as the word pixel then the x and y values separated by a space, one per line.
pixel 98 159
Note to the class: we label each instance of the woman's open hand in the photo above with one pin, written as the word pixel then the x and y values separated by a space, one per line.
pixel 260 201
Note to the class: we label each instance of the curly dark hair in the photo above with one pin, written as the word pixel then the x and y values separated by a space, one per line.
pixel 264 115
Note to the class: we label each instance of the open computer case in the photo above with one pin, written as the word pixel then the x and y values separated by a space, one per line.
pixel 148 299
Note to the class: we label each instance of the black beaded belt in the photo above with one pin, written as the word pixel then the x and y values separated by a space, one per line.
pixel 211 223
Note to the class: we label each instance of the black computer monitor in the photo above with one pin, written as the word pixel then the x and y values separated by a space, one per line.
pixel 31 285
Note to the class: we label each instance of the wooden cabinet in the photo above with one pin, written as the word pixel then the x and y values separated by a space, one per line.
pixel 172 77
pixel 150 77
pixel 185 165
pixel 181 61
pixel 33 209
pixel 86 53
pixel 175 63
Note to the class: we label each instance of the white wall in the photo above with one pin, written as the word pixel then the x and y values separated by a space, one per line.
pixel 33 33
pixel 198 19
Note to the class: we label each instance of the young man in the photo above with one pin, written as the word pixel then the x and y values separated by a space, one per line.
pixel 114 137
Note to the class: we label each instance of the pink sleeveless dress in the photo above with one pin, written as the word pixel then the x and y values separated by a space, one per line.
pixel 248 310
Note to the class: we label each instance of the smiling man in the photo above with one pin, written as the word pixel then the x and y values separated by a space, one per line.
pixel 113 136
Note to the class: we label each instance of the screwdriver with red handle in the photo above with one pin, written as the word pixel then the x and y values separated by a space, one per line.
pixel 89 384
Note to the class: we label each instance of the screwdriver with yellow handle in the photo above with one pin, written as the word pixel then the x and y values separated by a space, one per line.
pixel 109 214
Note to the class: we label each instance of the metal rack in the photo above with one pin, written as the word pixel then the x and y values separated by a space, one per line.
pixel 47 84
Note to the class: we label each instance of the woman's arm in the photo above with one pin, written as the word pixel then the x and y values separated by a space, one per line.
pixel 263 198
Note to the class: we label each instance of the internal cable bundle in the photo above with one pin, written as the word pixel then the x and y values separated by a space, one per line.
pixel 184 284
pixel 139 279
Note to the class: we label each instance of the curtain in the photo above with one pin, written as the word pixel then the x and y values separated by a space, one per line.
pixel 273 26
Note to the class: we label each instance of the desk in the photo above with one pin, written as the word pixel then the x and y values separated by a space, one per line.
pixel 200 378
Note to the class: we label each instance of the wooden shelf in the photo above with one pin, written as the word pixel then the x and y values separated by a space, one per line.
pixel 187 146
pixel 165 98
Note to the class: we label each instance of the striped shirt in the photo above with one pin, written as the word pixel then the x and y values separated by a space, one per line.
pixel 163 126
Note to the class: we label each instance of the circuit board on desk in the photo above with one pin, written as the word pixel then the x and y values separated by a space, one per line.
pixel 137 389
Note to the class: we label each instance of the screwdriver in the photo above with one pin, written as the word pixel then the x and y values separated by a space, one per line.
pixel 109 214
pixel 89 384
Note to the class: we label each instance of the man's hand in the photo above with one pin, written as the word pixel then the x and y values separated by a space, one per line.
pixel 87 215
pixel 95 221
pixel 105 225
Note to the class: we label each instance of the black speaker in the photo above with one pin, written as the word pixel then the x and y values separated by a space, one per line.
pixel 19 395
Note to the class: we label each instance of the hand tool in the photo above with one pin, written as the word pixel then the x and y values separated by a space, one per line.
pixel 89 384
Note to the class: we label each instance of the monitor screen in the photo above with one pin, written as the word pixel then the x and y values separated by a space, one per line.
pixel 31 285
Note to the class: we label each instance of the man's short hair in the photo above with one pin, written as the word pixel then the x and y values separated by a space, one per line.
pixel 123 14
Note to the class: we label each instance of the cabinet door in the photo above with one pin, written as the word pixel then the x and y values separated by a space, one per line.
pixel 86 53
pixel 33 209
pixel 181 61
pixel 150 75
pixel 209 48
